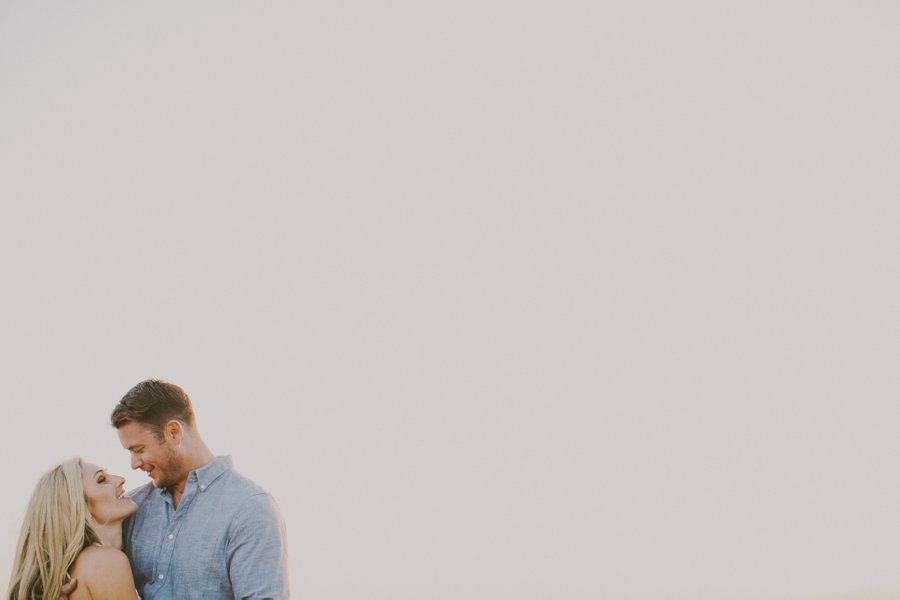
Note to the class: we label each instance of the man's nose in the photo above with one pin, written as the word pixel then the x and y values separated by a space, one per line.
pixel 136 461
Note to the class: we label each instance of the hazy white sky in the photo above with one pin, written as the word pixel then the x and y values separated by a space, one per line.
pixel 501 300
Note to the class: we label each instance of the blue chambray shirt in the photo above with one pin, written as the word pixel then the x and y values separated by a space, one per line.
pixel 227 539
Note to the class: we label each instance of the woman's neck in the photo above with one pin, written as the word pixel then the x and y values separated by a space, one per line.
pixel 110 534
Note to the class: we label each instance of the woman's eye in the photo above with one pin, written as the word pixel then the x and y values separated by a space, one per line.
pixel 101 480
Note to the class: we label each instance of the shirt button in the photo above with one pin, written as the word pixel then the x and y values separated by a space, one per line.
pixel 161 576
pixel 171 536
pixel 202 487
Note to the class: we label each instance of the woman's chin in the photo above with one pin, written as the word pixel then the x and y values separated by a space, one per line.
pixel 121 512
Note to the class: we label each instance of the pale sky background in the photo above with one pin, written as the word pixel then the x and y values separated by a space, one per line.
pixel 502 300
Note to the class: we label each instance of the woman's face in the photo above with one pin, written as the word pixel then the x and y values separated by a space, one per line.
pixel 105 494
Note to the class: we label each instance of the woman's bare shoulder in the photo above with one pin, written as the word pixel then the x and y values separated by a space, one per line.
pixel 104 572
pixel 100 558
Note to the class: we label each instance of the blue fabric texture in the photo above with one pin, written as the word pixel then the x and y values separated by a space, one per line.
pixel 226 540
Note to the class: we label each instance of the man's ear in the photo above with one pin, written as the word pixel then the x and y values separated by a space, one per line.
pixel 173 432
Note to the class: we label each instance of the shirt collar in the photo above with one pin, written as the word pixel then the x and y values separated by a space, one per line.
pixel 209 472
pixel 204 475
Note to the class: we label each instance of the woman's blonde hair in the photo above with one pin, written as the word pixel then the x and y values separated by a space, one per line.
pixel 57 527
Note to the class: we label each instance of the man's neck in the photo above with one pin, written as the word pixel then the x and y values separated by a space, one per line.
pixel 202 457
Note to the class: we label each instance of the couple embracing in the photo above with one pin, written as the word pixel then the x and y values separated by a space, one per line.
pixel 198 530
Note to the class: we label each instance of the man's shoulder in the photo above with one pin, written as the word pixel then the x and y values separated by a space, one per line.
pixel 238 485
pixel 250 499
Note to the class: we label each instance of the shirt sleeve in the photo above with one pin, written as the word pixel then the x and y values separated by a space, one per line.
pixel 256 551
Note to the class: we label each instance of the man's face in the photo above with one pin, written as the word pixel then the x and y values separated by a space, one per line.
pixel 158 457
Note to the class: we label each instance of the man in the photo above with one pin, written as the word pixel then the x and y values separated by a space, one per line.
pixel 201 529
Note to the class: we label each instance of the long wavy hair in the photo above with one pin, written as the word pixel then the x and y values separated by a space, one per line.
pixel 57 527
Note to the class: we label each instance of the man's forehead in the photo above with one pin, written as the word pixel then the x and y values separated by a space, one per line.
pixel 133 432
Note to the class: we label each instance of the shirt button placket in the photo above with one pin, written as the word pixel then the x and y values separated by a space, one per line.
pixel 168 550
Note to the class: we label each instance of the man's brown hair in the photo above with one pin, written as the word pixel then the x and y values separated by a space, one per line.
pixel 154 403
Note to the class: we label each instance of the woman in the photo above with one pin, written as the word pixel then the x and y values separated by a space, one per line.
pixel 73 530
